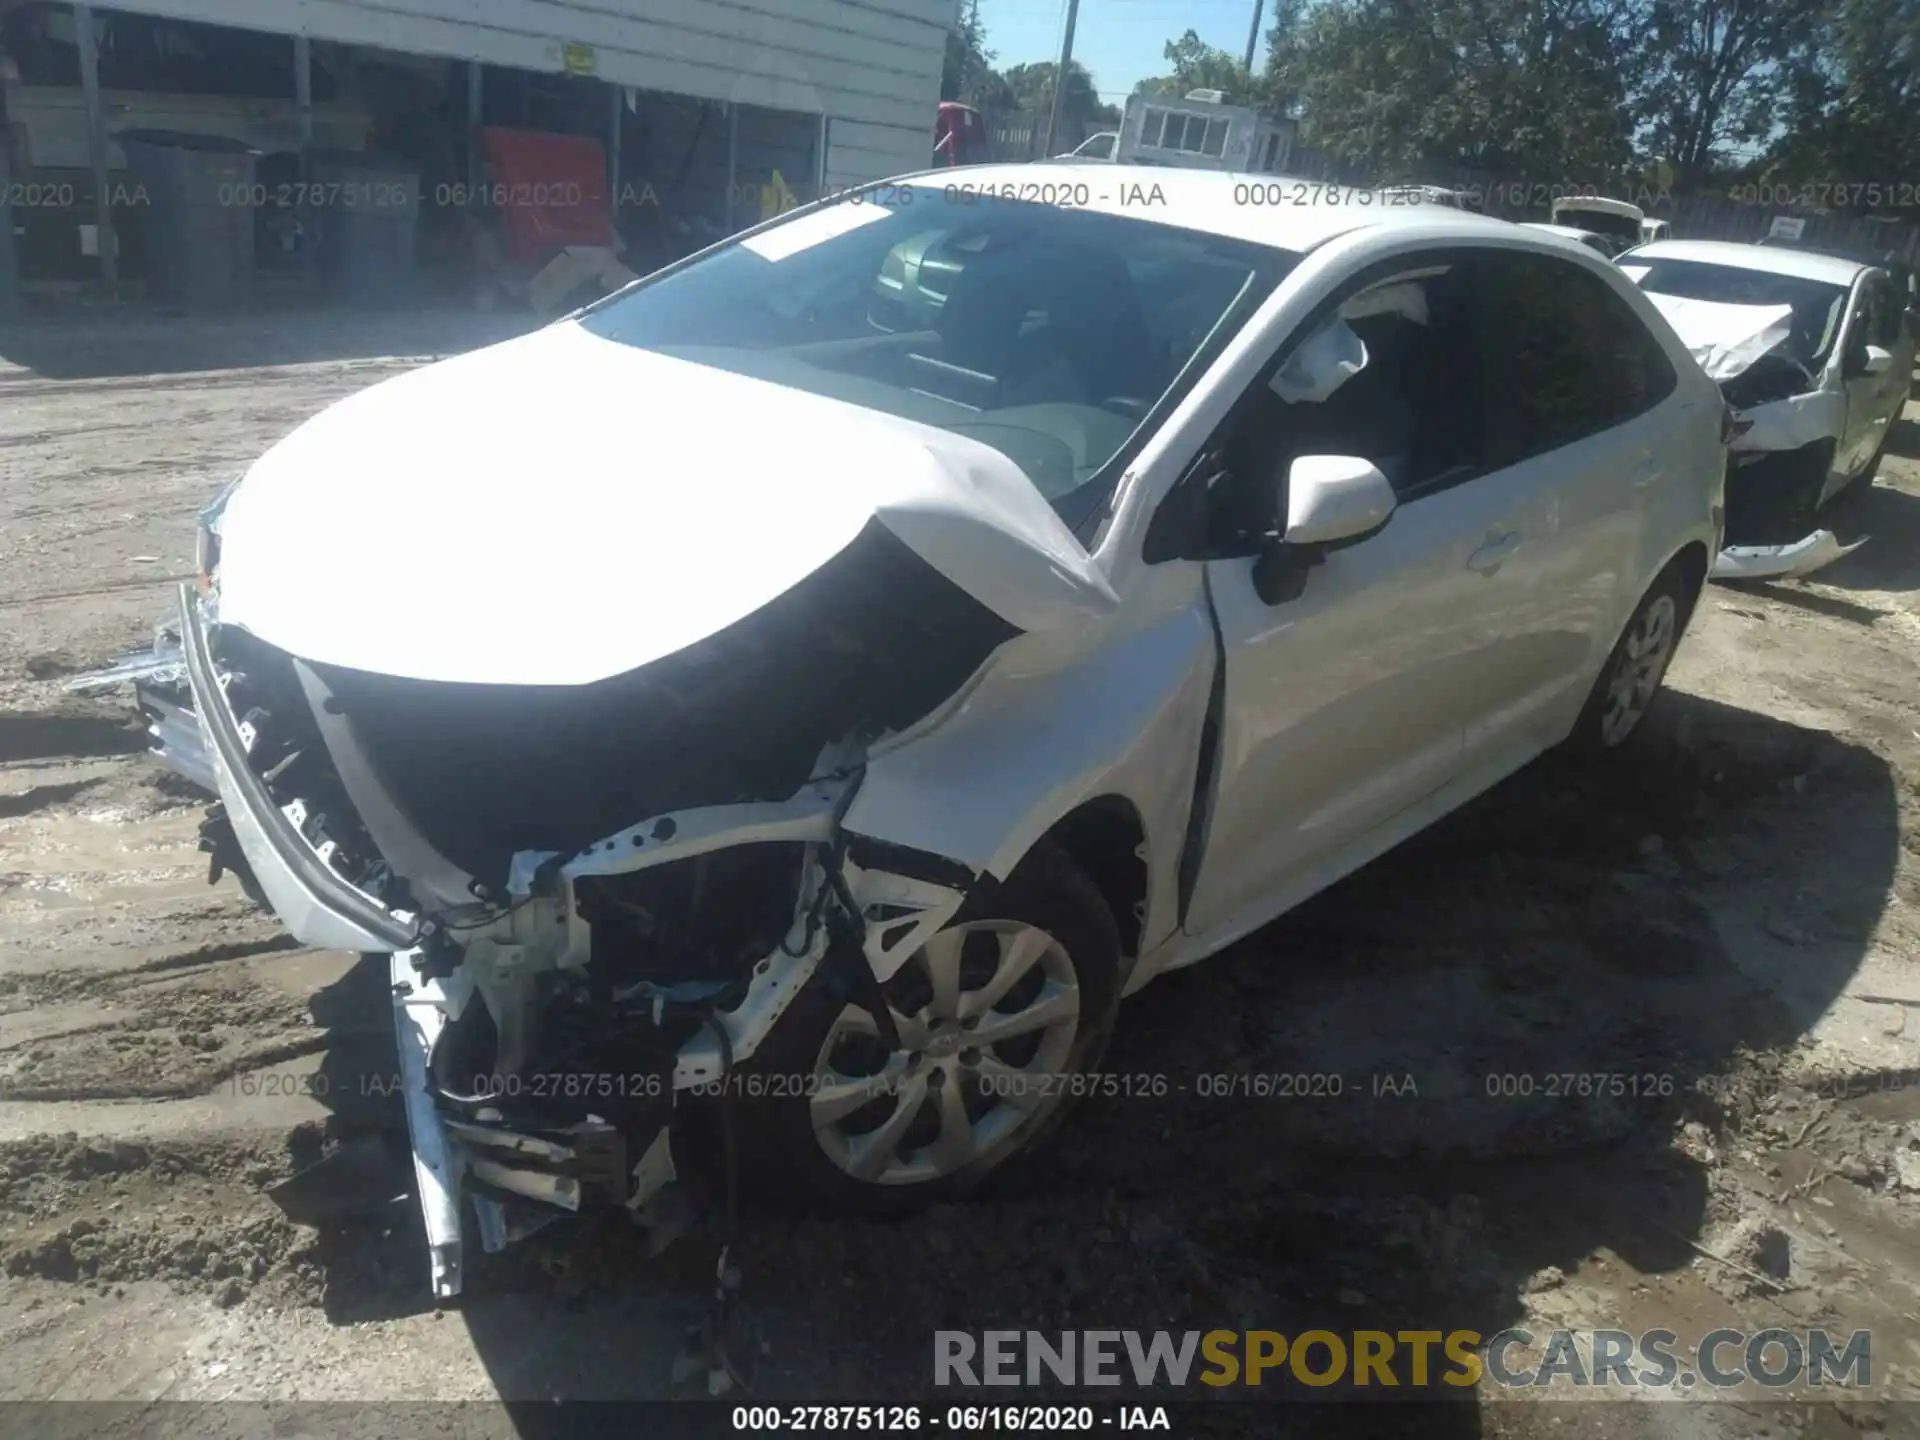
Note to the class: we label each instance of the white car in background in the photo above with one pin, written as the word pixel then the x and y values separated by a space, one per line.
pixel 1098 146
pixel 838 667
pixel 1604 245
pixel 1815 352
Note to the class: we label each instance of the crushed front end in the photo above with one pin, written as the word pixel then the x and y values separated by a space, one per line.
pixel 1783 433
pixel 596 898
pixel 1786 432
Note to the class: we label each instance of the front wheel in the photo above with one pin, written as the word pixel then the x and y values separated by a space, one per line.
pixel 1864 480
pixel 995 1015
pixel 1633 672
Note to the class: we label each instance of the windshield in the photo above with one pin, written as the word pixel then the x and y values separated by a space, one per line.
pixel 1053 335
pixel 1817 306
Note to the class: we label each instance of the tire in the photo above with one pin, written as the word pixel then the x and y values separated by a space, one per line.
pixel 1613 711
pixel 797 1144
pixel 1866 477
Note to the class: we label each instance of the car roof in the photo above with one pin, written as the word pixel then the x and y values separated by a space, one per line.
pixel 1301 214
pixel 1776 260
pixel 1600 205
pixel 1572 232
pixel 1864 257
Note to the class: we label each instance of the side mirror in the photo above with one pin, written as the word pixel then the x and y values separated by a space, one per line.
pixel 1333 501
pixel 1875 360
pixel 1335 498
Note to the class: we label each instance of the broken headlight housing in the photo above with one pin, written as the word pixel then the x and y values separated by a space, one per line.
pixel 206 539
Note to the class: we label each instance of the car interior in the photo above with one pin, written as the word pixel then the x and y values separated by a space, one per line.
pixel 1411 408
pixel 1049 342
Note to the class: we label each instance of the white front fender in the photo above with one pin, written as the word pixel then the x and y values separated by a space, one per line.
pixel 1029 743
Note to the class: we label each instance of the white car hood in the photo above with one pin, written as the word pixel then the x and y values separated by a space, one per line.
pixel 562 508
pixel 1725 339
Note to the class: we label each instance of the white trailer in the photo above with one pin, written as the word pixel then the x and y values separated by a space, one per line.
pixel 1201 132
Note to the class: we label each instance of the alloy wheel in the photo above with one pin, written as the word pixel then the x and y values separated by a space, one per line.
pixel 987 1015
pixel 1639 666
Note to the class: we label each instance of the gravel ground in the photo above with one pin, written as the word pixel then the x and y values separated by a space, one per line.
pixel 1737 910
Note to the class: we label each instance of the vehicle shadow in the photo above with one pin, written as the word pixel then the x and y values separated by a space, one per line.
pixel 1888 516
pixel 1421 1168
pixel 1810 601
pixel 1905 439
pixel 144 340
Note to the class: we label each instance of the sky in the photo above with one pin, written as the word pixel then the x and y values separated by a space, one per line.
pixel 1119 41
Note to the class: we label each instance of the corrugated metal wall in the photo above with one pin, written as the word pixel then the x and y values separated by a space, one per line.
pixel 872 66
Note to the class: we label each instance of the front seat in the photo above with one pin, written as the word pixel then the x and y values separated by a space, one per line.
pixel 978 326
pixel 1094 345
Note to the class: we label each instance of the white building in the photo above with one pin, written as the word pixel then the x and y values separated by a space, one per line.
pixel 868 69
pixel 710 98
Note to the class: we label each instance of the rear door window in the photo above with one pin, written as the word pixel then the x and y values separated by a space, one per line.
pixel 1563 356
pixel 1887 314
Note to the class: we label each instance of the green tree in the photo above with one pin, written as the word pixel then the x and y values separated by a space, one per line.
pixel 1515 89
pixel 1283 36
pixel 1200 66
pixel 967 73
pixel 1717 75
pixel 1030 87
pixel 1851 106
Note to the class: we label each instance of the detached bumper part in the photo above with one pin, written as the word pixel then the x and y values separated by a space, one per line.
pixel 419 1015
pixel 160 688
pixel 1777 477
pixel 312 900
pixel 177 741
pixel 515 1179
pixel 1776 562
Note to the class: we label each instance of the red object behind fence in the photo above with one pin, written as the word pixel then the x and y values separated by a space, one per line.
pixel 960 135
pixel 550 191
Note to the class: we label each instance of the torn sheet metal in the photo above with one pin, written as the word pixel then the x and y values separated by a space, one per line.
pixel 809 815
pixel 1779 562
pixel 420 1011
pixel 162 665
pixel 1788 424
pixel 1725 339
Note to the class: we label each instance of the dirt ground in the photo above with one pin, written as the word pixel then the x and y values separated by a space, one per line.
pixel 1735 909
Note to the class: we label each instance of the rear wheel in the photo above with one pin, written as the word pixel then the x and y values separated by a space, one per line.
pixel 995 1015
pixel 1632 675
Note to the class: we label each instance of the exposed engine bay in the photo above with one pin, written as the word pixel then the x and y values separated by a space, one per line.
pixel 596 898
pixel 1785 434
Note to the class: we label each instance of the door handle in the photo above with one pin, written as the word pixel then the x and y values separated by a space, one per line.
pixel 1495 553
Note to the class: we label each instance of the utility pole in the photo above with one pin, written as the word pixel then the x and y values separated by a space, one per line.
pixel 89 44
pixel 1253 34
pixel 1060 77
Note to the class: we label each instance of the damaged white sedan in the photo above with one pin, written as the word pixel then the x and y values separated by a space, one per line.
pixel 1815 353
pixel 776 713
